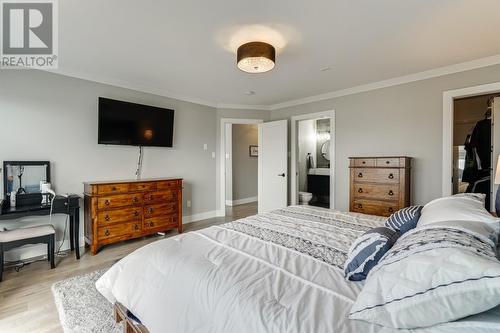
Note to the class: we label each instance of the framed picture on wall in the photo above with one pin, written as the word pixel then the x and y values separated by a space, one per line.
pixel 254 151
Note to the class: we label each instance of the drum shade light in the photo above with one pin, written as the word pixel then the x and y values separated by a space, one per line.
pixel 256 57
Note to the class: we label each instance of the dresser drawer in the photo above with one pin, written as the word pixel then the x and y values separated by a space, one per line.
pixel 119 215
pixel 374 207
pixel 119 200
pixel 165 196
pixel 376 191
pixel 159 209
pixel 118 230
pixel 144 186
pixel 160 222
pixel 167 184
pixel 388 162
pixel 364 162
pixel 112 188
pixel 376 175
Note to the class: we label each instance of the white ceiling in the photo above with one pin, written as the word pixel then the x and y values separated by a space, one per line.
pixel 186 48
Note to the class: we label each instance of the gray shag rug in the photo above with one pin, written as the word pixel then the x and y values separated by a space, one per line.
pixel 82 308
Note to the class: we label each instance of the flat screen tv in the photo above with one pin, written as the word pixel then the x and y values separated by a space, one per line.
pixel 124 123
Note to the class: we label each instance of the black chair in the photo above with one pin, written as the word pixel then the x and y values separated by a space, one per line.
pixel 11 239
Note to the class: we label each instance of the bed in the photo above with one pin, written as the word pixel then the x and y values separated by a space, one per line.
pixel 274 272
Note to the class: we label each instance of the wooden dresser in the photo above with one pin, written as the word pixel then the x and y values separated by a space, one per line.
pixel 120 210
pixel 379 185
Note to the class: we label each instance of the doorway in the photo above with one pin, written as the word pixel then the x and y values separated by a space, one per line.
pixel 313 152
pixel 473 146
pixel 471 140
pixel 239 166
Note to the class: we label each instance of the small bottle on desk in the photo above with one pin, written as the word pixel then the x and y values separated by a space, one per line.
pixel 13 198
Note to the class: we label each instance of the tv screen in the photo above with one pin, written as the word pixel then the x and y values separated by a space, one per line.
pixel 124 123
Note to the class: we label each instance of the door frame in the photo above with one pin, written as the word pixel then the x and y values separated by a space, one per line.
pixel 294 184
pixel 448 113
pixel 222 161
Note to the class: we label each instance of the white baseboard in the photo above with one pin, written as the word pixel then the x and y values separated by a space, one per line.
pixel 229 202
pixel 242 201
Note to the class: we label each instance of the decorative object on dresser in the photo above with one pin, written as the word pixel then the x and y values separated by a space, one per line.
pixel 121 210
pixel 379 185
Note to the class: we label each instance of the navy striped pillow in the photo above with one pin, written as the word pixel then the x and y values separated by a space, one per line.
pixel 367 250
pixel 404 219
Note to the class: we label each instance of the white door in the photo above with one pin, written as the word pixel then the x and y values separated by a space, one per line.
pixel 495 114
pixel 273 165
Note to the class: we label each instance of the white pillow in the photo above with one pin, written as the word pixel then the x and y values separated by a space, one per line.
pixel 455 208
pixel 431 275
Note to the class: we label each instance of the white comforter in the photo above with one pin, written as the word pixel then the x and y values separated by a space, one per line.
pixel 274 272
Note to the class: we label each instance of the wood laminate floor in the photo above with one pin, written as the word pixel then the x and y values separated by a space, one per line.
pixel 26 301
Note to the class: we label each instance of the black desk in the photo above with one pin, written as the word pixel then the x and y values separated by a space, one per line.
pixel 62 205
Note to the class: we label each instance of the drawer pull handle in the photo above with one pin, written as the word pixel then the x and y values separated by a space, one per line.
pixel 391 210
pixel 391 176
pixel 106 232
pixel 151 210
pixel 360 206
pixel 136 213
pixel 106 202
pixel 360 190
pixel 391 192
pixel 135 199
pixel 360 175
pixel 387 162
pixel 136 227
pixel 107 218
pixel 364 162
pixel 113 188
pixel 151 224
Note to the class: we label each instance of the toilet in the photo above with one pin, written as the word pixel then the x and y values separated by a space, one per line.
pixel 304 198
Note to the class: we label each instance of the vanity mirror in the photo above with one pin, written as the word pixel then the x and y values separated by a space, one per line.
pixel 325 150
pixel 24 177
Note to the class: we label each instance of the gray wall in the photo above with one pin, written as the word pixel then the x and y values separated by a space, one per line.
pixel 306 144
pixel 399 120
pixel 244 166
pixel 52 117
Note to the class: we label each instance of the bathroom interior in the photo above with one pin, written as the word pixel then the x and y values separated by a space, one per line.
pixel 314 162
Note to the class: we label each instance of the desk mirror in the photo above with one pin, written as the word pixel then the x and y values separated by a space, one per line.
pixel 24 177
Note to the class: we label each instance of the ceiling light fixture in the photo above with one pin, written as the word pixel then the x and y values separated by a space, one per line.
pixel 256 57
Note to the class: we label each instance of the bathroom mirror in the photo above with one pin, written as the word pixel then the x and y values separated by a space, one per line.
pixel 24 177
pixel 325 150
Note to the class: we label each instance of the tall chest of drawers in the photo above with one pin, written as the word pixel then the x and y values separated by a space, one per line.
pixel 121 210
pixel 379 185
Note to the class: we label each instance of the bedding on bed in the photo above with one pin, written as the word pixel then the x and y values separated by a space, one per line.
pixel 274 272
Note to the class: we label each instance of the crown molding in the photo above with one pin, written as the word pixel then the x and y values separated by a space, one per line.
pixel 437 72
pixel 133 86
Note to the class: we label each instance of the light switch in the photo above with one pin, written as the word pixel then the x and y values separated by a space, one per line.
pixel 205 147
pixel 213 154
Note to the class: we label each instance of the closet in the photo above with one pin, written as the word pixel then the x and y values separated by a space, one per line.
pixel 475 144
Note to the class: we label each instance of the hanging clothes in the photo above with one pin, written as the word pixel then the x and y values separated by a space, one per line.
pixel 470 166
pixel 481 143
pixel 477 170
pixel 478 152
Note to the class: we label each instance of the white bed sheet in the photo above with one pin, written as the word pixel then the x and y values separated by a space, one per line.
pixel 222 280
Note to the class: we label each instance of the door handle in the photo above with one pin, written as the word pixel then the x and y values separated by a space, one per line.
pixel 281 175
